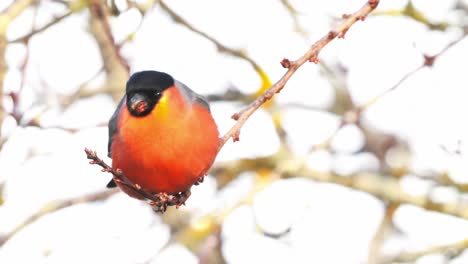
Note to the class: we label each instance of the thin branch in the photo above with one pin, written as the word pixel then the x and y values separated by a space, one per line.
pixel 158 201
pixel 102 32
pixel 391 89
pixel 6 17
pixel 55 21
pixel 16 96
pixel 221 47
pixel 311 55
pixel 382 186
pixel 56 206
pixel 293 14
pixel 411 12
pixel 115 66
pixel 354 115
pixel 374 256
pixel 452 249
pixel 428 61
pixel 385 188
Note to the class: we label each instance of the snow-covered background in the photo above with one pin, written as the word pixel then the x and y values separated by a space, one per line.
pixel 320 222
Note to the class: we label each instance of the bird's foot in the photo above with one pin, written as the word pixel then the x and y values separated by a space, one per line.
pixel 181 198
pixel 200 180
pixel 162 200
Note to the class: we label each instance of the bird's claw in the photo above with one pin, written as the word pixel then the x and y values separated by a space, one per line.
pixel 200 180
pixel 182 198
pixel 162 200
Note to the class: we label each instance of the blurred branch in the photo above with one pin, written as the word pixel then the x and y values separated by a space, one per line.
pixel 6 17
pixel 413 13
pixel 231 94
pixel 198 230
pixel 336 75
pixel 381 186
pixel 115 66
pixel 16 95
pixel 221 47
pixel 266 82
pixel 311 55
pixel 385 188
pixel 386 224
pixel 428 61
pixel 382 141
pixel 35 31
pixel 452 250
pixel 293 14
pixel 56 206
pixel 209 251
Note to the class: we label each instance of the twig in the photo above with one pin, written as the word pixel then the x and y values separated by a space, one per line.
pixel 311 55
pixel 221 47
pixel 374 256
pixel 293 14
pixel 411 12
pixel 382 186
pixel 55 21
pixel 385 188
pixel 6 17
pixel 115 66
pixel 158 201
pixel 428 61
pixel 354 115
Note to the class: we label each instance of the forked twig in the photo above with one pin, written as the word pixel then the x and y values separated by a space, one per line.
pixel 158 201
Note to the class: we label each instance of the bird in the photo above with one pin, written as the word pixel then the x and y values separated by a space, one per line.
pixel 162 137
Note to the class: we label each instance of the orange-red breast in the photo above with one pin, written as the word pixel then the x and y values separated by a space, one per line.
pixel 162 135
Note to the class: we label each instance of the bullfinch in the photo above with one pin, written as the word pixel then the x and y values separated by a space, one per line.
pixel 162 136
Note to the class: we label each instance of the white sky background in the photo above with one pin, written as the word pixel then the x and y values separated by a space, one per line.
pixel 428 110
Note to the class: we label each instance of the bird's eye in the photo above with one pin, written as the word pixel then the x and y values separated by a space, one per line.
pixel 139 104
pixel 157 94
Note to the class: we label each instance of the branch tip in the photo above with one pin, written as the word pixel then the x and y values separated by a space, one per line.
pixel 362 18
pixel 332 34
pixel 286 63
pixel 162 200
pixel 373 3
pixel 343 34
pixel 235 116
pixel 429 60
pixel 314 59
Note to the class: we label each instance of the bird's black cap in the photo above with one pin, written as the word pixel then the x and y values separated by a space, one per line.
pixel 149 80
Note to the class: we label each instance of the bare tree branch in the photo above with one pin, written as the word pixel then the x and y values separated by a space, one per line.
pixel 292 66
pixel 451 250
pixel 56 206
pixel 6 17
pixel 115 66
pixel 158 201
pixel 221 47
pixel 385 226
pixel 35 31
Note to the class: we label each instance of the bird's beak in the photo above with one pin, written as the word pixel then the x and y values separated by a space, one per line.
pixel 138 103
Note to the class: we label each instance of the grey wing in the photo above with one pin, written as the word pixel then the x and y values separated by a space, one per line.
pixel 113 126
pixel 192 96
pixel 112 130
